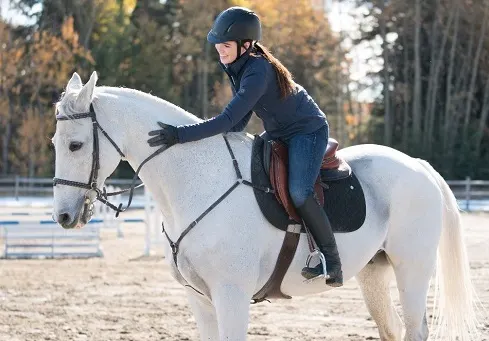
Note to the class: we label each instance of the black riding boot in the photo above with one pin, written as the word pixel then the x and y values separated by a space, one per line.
pixel 318 224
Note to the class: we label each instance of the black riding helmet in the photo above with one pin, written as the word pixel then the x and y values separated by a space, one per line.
pixel 235 24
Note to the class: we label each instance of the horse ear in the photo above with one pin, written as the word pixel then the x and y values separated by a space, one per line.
pixel 84 98
pixel 75 82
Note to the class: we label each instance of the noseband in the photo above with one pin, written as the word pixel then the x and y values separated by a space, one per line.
pixel 91 185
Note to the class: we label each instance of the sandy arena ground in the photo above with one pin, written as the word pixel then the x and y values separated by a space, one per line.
pixel 124 296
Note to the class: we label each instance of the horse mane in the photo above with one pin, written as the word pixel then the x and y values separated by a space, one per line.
pixel 67 100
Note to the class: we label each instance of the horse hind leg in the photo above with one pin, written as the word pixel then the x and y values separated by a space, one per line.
pixel 413 285
pixel 374 281
pixel 412 251
pixel 413 258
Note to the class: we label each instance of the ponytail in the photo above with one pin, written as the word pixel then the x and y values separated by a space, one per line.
pixel 284 77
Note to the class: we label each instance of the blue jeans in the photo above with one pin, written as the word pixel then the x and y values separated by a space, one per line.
pixel 306 154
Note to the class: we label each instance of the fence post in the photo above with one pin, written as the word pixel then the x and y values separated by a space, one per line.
pixel 147 211
pixel 52 243
pixel 16 194
pixel 467 194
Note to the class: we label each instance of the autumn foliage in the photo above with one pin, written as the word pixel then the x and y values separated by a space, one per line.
pixel 426 69
pixel 153 46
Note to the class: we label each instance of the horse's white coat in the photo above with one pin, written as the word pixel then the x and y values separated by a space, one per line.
pixel 230 254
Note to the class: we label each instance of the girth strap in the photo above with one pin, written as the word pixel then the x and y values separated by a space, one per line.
pixel 271 289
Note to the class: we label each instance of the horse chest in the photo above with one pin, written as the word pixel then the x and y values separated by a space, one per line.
pixel 185 274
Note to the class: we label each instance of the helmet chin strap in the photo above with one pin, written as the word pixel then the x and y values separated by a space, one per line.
pixel 238 47
pixel 240 44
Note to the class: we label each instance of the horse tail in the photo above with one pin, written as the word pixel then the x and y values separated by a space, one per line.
pixel 454 315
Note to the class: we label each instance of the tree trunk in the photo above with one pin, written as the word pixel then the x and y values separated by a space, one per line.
pixel 417 77
pixel 205 82
pixel 482 122
pixel 199 87
pixel 434 91
pixel 406 97
pixel 8 109
pixel 6 136
pixel 386 91
pixel 458 102
pixel 430 90
pixel 344 140
pixel 475 70
pixel 448 95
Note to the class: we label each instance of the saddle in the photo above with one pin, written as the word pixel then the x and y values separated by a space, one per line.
pixel 337 188
pixel 276 162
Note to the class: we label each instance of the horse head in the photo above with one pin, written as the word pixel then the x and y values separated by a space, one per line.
pixel 84 158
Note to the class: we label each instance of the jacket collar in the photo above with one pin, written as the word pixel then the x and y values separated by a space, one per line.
pixel 235 67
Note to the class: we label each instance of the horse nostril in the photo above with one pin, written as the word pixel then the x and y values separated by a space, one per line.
pixel 64 218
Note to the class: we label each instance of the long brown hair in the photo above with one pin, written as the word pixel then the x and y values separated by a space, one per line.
pixel 284 77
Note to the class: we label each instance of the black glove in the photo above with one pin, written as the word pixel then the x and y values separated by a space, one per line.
pixel 167 135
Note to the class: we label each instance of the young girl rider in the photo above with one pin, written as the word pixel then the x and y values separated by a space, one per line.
pixel 261 84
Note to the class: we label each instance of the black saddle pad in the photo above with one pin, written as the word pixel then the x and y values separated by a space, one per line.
pixel 344 201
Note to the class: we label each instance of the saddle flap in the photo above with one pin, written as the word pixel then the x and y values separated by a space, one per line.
pixel 279 180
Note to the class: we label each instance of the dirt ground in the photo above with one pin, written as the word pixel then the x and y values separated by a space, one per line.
pixel 124 296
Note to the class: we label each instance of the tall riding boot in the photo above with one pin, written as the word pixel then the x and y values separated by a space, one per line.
pixel 318 224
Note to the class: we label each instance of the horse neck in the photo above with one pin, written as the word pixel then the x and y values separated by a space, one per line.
pixel 131 114
pixel 184 179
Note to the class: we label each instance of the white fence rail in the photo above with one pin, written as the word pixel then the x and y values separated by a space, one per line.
pixel 45 239
pixel 471 194
pixel 20 186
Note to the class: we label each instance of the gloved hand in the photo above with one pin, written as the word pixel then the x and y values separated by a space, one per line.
pixel 167 135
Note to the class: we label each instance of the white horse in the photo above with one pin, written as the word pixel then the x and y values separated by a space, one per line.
pixel 231 252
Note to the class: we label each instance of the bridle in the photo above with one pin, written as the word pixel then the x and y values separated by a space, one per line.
pixel 91 185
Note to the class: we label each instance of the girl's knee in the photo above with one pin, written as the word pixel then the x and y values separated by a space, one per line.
pixel 298 196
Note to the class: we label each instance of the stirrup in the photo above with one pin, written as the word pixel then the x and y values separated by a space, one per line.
pixel 322 260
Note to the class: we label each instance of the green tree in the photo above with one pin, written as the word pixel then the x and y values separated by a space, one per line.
pixel 437 72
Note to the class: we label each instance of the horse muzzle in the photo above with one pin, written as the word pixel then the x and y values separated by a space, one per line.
pixel 79 218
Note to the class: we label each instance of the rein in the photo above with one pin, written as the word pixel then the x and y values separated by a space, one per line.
pixel 91 185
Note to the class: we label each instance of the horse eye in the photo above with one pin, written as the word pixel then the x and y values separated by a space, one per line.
pixel 74 146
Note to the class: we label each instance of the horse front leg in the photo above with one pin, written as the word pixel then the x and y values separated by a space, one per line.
pixel 205 316
pixel 232 305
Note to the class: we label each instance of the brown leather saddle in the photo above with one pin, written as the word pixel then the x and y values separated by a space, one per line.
pixel 269 168
pixel 278 172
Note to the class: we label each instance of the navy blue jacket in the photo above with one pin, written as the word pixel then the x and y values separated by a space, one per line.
pixel 255 88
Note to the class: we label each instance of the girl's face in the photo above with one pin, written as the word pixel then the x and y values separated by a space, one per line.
pixel 228 51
